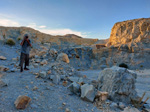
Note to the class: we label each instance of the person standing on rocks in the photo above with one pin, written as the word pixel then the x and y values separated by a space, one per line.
pixel 25 49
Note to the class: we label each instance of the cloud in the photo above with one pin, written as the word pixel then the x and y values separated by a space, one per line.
pixel 64 31
pixel 60 32
pixel 32 25
pixel 42 26
pixel 7 22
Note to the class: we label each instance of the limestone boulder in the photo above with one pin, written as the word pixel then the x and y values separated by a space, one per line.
pixel 74 87
pixel 119 83
pixel 88 92
pixel 63 57
pixel 22 102
pixel 130 109
pixel 2 58
pixel 43 74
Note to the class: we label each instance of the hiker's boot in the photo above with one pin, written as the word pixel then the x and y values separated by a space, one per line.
pixel 21 69
pixel 26 68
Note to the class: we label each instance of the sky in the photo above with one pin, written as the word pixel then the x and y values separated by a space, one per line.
pixel 86 18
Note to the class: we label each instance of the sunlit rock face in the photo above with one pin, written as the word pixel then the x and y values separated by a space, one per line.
pixel 131 31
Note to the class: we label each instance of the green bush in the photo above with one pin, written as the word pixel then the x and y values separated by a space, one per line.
pixel 10 42
pixel 123 65
pixel 19 38
pixel 141 66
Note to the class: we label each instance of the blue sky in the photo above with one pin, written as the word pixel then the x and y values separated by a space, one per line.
pixel 87 18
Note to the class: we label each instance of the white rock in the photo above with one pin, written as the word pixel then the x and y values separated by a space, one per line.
pixel 73 79
pixel 35 65
pixel 42 74
pixel 74 87
pixel 132 109
pixel 113 104
pixel 56 79
pixel 87 92
pixel 2 58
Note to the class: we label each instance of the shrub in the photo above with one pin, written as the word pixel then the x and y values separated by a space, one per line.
pixel 141 66
pixel 123 65
pixel 10 42
pixel 19 38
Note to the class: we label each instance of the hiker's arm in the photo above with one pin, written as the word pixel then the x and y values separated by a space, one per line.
pixel 28 42
pixel 22 42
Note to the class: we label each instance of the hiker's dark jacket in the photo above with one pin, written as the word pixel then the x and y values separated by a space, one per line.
pixel 25 48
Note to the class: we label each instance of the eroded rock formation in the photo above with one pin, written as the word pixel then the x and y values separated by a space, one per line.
pixel 132 31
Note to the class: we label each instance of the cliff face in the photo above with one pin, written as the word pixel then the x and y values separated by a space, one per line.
pixel 70 39
pixel 131 31
pixel 129 43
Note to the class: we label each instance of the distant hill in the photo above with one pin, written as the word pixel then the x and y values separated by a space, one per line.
pixel 37 36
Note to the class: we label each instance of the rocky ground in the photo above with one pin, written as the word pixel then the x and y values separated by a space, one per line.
pixel 45 95
pixel 142 82
pixel 48 95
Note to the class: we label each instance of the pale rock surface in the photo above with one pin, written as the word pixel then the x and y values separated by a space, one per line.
pixel 63 57
pixel 74 87
pixel 56 79
pixel 2 58
pixel 130 109
pixel 88 92
pixel 119 83
pixel 43 74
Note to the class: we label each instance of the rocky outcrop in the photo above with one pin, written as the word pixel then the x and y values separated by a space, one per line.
pixel 119 83
pixel 131 31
